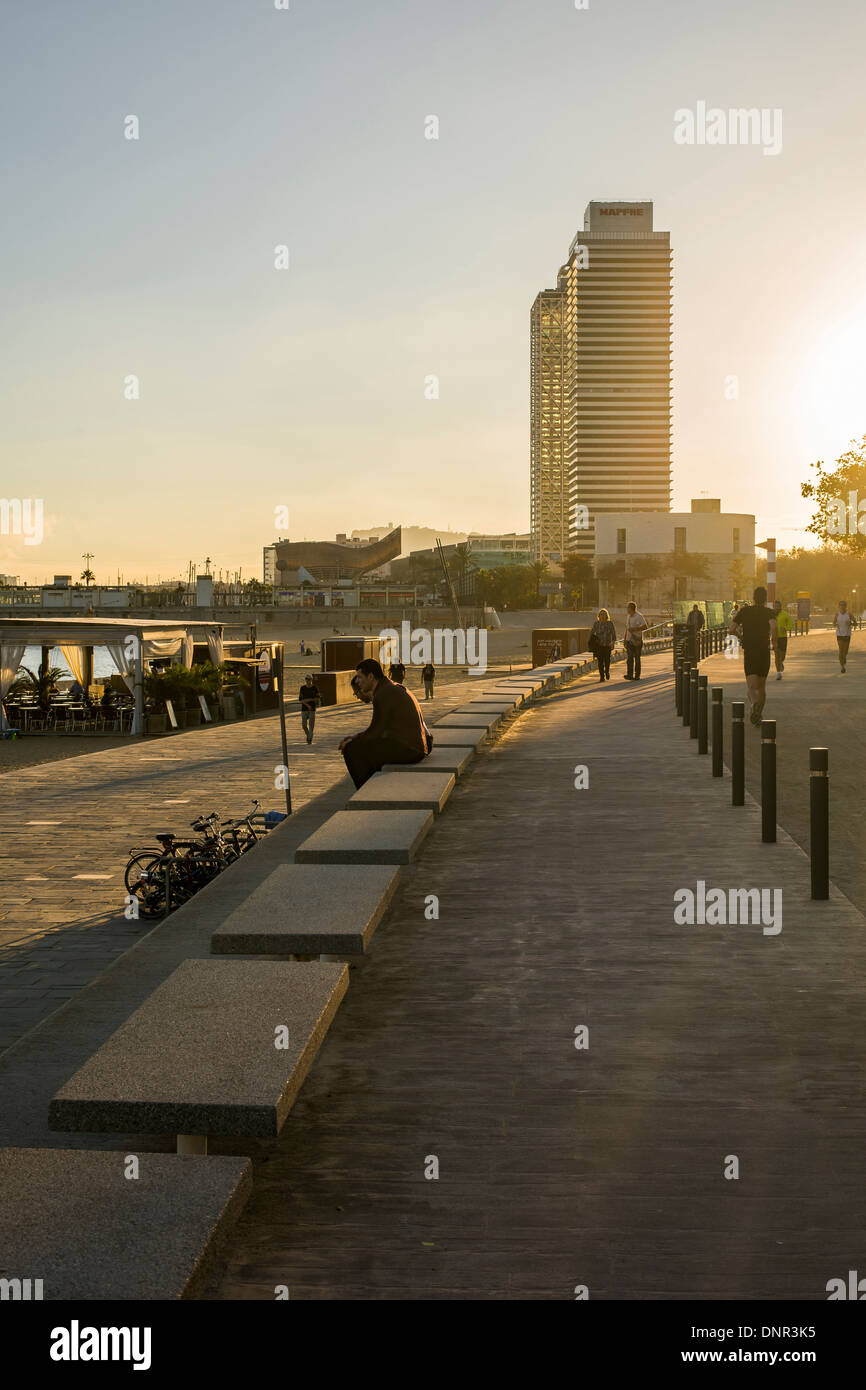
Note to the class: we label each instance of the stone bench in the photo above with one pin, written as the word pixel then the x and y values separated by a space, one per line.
pixel 446 759
pixel 491 706
pixel 407 791
pixel 72 1218
pixel 199 1057
pixel 466 721
pixel 457 738
pixel 309 909
pixel 377 837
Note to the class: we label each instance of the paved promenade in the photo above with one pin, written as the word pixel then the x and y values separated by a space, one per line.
pixel 66 829
pixel 814 705
pixel 601 1166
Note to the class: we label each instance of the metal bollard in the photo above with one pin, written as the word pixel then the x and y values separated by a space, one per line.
pixel 768 781
pixel 738 753
pixel 718 732
pixel 693 702
pixel 678 686
pixel 819 821
pixel 685 684
pixel 703 746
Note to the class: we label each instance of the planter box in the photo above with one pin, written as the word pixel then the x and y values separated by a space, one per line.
pixel 156 723
pixel 191 718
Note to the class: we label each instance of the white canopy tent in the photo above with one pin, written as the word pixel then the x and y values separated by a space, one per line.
pixel 130 644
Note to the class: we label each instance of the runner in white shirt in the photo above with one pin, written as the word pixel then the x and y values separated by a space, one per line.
pixel 844 625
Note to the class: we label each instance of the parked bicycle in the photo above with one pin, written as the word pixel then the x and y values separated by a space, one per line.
pixel 162 878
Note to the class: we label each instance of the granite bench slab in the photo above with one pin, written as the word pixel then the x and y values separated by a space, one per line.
pixel 467 721
pixel 309 909
pixel 491 706
pixel 446 759
pixel 73 1218
pixel 199 1056
pixel 408 791
pixel 377 837
pixel 460 738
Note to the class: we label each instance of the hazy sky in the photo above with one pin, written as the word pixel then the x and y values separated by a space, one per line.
pixel 408 257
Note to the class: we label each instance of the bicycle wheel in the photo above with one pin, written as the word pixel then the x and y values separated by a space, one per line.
pixel 139 864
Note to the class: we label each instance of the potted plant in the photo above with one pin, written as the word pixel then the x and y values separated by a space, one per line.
pixel 160 686
pixel 41 683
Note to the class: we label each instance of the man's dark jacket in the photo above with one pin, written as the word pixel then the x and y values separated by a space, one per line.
pixel 396 715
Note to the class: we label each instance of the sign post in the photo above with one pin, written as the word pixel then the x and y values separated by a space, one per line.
pixel 770 547
pixel 281 700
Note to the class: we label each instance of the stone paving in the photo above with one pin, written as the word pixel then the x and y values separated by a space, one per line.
pixel 814 705
pixel 67 826
pixel 461 1137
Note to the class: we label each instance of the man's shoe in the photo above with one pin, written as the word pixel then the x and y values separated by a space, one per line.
pixel 779 676
pixel 628 678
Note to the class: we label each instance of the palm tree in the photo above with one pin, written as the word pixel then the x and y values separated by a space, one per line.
pixel 88 576
pixel 42 684
pixel 540 571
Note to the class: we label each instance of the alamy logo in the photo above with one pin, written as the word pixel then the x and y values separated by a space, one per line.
pixel 847 518
pixel 855 1289
pixel 714 907
pixel 76 1343
pixel 736 126
pixel 20 1290
pixel 443 646
pixel 22 516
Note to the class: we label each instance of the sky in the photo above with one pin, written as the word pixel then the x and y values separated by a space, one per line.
pixel 304 388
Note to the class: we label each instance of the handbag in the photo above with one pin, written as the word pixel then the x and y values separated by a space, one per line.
pixel 592 644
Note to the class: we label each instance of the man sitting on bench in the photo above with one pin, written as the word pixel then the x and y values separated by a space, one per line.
pixel 397 732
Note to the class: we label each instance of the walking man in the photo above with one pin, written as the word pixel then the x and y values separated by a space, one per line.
pixel 310 699
pixel 695 622
pixel 755 625
pixel 428 676
pixel 397 732
pixel 635 627
pixel 844 624
pixel 397 672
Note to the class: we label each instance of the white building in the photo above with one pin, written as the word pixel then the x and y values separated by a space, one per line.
pixel 656 557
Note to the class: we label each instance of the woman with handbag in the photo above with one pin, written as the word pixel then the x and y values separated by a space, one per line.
pixel 602 639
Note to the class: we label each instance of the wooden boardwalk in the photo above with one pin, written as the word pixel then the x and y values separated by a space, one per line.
pixel 561 1167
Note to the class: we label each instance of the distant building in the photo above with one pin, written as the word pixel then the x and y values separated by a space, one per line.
pixel 600 381
pixel 675 544
pixel 330 561
pixel 548 423
pixel 489 552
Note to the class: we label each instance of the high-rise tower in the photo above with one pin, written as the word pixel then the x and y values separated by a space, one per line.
pixel 601 379
pixel 548 431
pixel 618 332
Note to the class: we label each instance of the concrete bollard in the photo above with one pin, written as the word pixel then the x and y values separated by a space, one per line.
pixel 703 746
pixel 768 781
pixel 819 822
pixel 718 732
pixel 738 753
pixel 686 688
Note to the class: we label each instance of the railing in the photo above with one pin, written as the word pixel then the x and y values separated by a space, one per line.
pixel 657 637
pixel 691 644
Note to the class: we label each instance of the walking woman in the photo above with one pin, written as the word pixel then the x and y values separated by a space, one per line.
pixel 603 638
